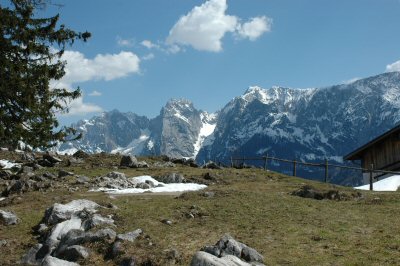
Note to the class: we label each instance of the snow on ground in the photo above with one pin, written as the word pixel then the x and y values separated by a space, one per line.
pixel 160 187
pixel 388 184
pixel 8 165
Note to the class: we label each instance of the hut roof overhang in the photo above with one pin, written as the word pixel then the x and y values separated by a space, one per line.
pixel 358 153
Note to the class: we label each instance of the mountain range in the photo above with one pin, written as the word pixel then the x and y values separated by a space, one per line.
pixel 304 124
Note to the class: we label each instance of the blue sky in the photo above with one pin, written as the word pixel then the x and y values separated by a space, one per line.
pixel 145 52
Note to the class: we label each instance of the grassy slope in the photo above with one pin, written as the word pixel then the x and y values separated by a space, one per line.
pixel 252 205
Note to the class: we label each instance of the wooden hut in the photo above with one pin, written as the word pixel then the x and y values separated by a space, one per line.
pixel 381 153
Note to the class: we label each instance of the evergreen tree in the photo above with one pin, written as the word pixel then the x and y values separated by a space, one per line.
pixel 30 57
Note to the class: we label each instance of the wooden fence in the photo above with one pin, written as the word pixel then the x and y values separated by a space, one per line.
pixel 325 165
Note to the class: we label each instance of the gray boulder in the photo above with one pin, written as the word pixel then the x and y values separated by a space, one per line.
pixel 52 158
pixel 132 162
pixel 61 229
pixel 75 253
pixel 128 161
pixel 30 257
pixel 202 258
pixel 130 236
pixel 114 180
pixel 211 165
pixel 52 261
pixel 173 178
pixel 78 237
pixel 116 175
pixel 61 212
pixel 81 179
pixel 63 173
pixel 230 246
pixel 228 251
pixel 97 220
pixel 8 218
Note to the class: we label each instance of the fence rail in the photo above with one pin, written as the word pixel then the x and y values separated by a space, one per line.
pixel 326 165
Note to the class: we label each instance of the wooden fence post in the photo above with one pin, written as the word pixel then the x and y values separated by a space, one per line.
pixel 326 170
pixel 371 178
pixel 265 162
pixel 294 168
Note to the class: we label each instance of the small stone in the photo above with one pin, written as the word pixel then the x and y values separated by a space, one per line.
pixel 63 173
pixel 115 250
pixel 129 262
pixel 172 254
pixel 209 194
pixel 81 179
pixel 166 221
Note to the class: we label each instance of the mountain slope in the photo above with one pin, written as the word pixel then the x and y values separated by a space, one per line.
pixel 306 124
pixel 178 131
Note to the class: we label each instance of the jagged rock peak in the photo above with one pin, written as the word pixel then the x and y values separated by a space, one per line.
pixel 179 104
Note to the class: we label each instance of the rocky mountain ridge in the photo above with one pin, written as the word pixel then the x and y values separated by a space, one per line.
pixel 307 124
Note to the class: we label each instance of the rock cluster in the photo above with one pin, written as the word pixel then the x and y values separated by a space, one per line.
pixel 227 252
pixel 131 162
pixel 312 193
pixel 67 229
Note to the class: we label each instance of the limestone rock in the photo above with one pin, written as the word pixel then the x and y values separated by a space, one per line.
pixel 202 258
pixel 75 253
pixel 130 236
pixel 61 212
pixel 52 261
pixel 128 161
pixel 227 251
pixel 8 218
pixel 173 178
pixel 30 257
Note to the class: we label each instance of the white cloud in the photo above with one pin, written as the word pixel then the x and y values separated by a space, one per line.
pixel 125 42
pixel 148 56
pixel 95 93
pixel 255 28
pixel 149 45
pixel 393 67
pixel 102 67
pixel 204 27
pixel 78 107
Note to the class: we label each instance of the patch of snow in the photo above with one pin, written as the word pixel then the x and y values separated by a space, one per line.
pixel 391 183
pixel 150 145
pixel 121 124
pixel 70 151
pixel 136 146
pixel 5 164
pixel 180 116
pixel 206 130
pixel 160 187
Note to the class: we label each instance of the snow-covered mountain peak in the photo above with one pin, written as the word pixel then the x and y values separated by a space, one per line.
pixel 255 93
pixel 182 104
